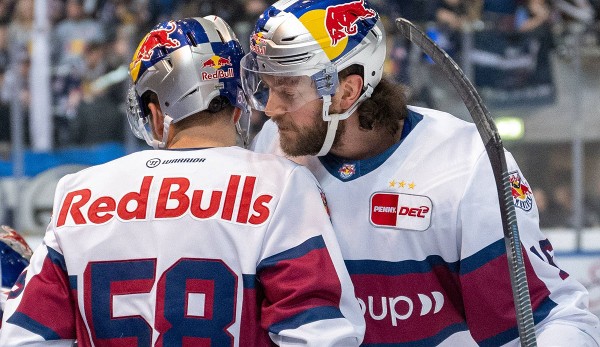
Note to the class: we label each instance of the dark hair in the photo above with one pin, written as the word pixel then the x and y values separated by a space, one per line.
pixel 219 104
pixel 385 108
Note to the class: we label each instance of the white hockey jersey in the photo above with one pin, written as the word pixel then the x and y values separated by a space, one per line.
pixel 217 246
pixel 420 231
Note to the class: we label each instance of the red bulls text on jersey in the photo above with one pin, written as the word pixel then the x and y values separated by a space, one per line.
pixel 82 209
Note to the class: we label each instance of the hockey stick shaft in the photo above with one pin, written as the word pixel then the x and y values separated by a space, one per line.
pixel 495 150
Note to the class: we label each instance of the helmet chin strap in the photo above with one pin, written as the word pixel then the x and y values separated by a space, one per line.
pixel 146 132
pixel 165 137
pixel 333 119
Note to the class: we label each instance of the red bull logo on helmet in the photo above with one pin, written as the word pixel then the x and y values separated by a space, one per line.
pixel 217 63
pixel 159 37
pixel 257 43
pixel 340 20
pixel 522 195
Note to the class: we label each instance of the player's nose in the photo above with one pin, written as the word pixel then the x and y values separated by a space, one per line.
pixel 275 108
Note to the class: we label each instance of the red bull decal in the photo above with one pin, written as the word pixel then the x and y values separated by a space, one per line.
pixel 217 63
pixel 257 43
pixel 206 76
pixel 347 171
pixel 159 37
pixel 401 211
pixel 521 192
pixel 340 20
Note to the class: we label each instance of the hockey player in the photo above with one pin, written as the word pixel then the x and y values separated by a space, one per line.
pixel 198 243
pixel 410 190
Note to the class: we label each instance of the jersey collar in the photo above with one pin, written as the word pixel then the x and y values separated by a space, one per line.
pixel 347 170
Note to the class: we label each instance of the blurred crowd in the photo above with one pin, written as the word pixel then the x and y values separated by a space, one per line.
pixel 549 22
pixel 92 42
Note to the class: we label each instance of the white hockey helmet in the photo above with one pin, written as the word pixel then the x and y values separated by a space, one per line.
pixel 314 40
pixel 192 65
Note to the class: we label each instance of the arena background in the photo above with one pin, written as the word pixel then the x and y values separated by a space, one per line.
pixel 64 72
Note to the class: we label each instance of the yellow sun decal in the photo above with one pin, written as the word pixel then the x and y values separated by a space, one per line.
pixel 314 21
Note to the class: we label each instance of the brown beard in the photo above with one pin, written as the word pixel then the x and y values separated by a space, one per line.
pixel 309 140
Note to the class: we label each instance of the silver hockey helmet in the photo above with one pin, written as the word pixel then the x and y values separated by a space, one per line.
pixel 312 41
pixel 192 65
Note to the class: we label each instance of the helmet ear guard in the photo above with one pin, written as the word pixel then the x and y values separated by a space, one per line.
pixel 192 65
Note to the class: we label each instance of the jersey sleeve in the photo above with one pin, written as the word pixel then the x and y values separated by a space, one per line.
pixel 267 140
pixel 559 302
pixel 39 309
pixel 40 295
pixel 309 297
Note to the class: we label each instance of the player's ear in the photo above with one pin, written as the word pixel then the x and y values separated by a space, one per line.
pixel 157 120
pixel 350 88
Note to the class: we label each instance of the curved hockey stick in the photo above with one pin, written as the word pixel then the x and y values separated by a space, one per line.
pixel 495 150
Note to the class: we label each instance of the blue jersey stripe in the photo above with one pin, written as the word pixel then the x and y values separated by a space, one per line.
pixel 377 267
pixel 431 341
pixel 57 258
pixel 308 316
pixel 249 281
pixel 311 244
pixel 24 321
pixel 484 256
pixel 73 282
pixel 538 315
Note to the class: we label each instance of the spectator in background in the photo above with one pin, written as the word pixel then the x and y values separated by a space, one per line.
pixel 562 208
pixel 512 15
pixel 133 14
pixel 532 16
pixel 452 18
pixel 15 88
pixel 72 36
pixel 594 199
pixel 56 11
pixel 4 108
pixel 162 9
pixel 21 26
pixel 4 51
pixel 230 12
pixel 6 10
pixel 244 23
pixel 398 67
pixel 452 14
pixel 542 202
pixel 579 10
pixel 99 118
